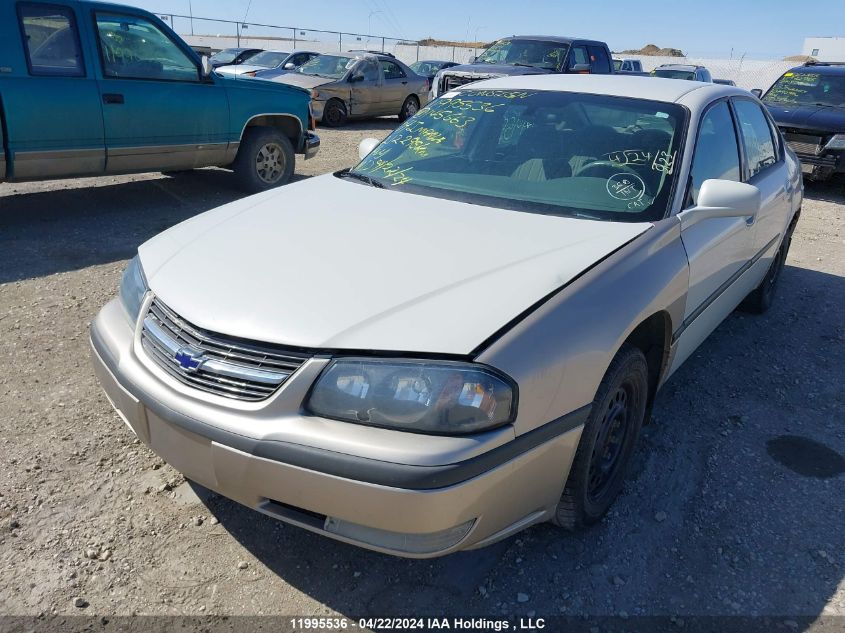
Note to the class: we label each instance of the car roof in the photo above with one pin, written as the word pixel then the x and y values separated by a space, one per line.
pixel 634 86
pixel 819 69
pixel 678 67
pixel 434 61
pixel 560 39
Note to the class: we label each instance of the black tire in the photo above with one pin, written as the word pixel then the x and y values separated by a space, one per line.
pixel 334 113
pixel 762 297
pixel 607 442
pixel 265 160
pixel 409 108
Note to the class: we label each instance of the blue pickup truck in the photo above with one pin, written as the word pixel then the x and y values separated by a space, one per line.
pixel 88 88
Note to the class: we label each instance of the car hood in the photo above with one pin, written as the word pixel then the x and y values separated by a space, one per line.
pixel 824 118
pixel 334 264
pixel 302 80
pixel 240 69
pixel 499 70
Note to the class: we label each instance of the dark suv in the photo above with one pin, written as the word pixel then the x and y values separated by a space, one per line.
pixel 808 105
pixel 528 55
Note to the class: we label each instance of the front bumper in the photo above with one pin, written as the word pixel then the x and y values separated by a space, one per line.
pixel 472 492
pixel 310 145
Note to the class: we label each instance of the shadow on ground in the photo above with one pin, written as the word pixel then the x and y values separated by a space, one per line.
pixel 58 230
pixel 714 521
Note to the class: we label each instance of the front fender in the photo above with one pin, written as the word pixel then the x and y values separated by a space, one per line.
pixel 559 353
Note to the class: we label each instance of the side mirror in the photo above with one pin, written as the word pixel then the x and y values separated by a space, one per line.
pixel 723 199
pixel 354 79
pixel 757 92
pixel 366 146
pixel 581 68
pixel 289 66
pixel 206 66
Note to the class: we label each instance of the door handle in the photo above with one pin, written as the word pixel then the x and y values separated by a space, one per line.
pixel 112 98
pixel 404 82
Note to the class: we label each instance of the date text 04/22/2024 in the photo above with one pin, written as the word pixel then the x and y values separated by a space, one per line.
pixel 424 624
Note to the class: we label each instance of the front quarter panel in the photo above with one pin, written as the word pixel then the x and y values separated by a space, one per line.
pixel 559 352
pixel 249 98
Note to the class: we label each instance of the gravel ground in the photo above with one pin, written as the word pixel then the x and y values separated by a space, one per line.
pixel 734 506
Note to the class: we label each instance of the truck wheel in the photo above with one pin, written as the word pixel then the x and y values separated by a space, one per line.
pixel 334 114
pixel 762 297
pixel 409 108
pixel 265 160
pixel 607 441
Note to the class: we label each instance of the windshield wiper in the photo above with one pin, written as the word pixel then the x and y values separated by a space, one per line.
pixel 362 178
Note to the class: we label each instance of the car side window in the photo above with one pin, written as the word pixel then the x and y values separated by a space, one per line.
pixel 51 40
pixel 716 150
pixel 370 70
pixel 132 47
pixel 757 137
pixel 578 55
pixel 392 70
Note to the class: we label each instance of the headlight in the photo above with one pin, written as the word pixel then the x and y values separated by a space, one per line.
pixel 420 396
pixel 133 287
pixel 837 142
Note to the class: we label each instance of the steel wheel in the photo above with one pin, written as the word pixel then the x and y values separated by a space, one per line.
pixel 613 430
pixel 270 162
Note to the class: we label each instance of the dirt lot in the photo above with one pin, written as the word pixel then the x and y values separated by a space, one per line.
pixel 730 510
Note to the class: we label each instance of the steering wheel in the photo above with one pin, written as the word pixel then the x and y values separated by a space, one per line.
pixel 605 167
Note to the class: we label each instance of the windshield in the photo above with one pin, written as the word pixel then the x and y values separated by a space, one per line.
pixel 268 59
pixel 334 66
pixel 674 74
pixel 427 68
pixel 536 53
pixel 548 152
pixel 225 56
pixel 808 89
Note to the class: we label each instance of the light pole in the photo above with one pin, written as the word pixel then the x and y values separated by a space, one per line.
pixel 370 23
pixel 191 13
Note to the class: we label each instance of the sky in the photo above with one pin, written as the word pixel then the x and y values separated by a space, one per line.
pixel 759 29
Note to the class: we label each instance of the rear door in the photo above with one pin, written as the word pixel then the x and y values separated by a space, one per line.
pixel 395 87
pixel 53 117
pixel 158 112
pixel 718 249
pixel 765 168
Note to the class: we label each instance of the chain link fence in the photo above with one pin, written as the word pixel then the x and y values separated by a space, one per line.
pixel 216 34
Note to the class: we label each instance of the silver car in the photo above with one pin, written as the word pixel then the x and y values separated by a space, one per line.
pixel 359 84
pixel 462 335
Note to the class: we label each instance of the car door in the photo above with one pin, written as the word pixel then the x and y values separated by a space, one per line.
pixel 718 249
pixel 54 123
pixel 396 87
pixel 158 111
pixel 365 88
pixel 765 168
pixel 577 55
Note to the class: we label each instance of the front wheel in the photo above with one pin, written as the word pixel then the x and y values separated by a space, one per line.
pixel 607 441
pixel 409 108
pixel 334 113
pixel 265 160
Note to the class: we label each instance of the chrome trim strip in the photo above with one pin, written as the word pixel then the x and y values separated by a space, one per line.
pixel 154 331
pixel 140 150
pixel 53 154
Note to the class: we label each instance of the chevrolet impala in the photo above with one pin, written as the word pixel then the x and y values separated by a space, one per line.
pixel 463 335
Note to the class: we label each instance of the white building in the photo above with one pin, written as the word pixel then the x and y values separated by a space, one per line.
pixel 825 49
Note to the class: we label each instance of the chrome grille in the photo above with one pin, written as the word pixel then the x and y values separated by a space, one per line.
pixel 450 82
pixel 215 363
pixel 804 143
